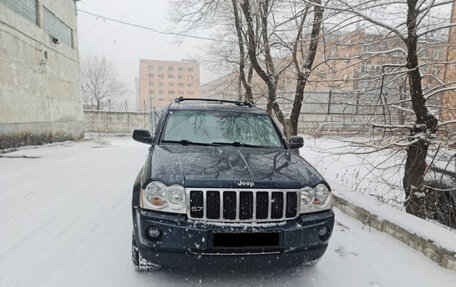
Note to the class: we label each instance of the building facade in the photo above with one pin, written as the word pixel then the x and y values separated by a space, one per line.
pixel 346 64
pixel 40 91
pixel 160 82
pixel 449 97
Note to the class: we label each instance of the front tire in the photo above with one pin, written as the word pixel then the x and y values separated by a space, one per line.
pixel 140 263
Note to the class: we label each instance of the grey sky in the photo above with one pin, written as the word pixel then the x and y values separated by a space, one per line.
pixel 124 45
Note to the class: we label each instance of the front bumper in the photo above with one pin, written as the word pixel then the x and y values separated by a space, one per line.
pixel 184 243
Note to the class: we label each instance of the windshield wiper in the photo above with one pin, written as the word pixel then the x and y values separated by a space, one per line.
pixel 186 142
pixel 240 144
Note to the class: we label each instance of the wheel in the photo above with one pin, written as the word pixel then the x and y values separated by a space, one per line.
pixel 311 263
pixel 141 264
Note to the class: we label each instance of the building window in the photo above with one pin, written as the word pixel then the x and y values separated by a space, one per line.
pixel 151 67
pixel 170 76
pixel 151 83
pixel 170 84
pixel 25 8
pixel 56 28
pixel 161 92
pixel 161 84
pixel 171 92
pixel 333 53
pixel 160 68
pixel 170 68
pixel 190 77
pixel 323 75
pixel 161 75
pixel 151 75
pixel 180 69
pixel 367 48
pixel 190 69
pixel 181 84
pixel 161 99
pixel 435 71
pixel 179 76
pixel 425 54
pixel 151 92
pixel 190 85
pixel 438 53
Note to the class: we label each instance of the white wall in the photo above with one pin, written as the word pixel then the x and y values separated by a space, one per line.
pixel 40 96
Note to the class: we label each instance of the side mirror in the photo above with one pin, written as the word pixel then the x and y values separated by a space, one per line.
pixel 143 136
pixel 296 142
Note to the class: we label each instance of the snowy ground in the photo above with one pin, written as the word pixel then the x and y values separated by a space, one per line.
pixel 65 220
pixel 378 174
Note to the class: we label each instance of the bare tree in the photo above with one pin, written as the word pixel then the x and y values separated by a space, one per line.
pixel 262 40
pixel 99 83
pixel 269 72
pixel 245 80
pixel 408 21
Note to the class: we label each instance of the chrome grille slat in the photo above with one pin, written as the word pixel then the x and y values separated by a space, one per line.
pixel 204 204
pixel 252 205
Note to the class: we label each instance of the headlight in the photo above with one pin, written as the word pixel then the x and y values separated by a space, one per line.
pixel 175 194
pixel 307 196
pixel 322 196
pixel 315 199
pixel 157 196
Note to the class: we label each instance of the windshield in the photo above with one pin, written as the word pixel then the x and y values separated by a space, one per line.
pixel 209 127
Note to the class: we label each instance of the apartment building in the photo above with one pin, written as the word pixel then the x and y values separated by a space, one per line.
pixel 449 97
pixel 160 82
pixel 346 63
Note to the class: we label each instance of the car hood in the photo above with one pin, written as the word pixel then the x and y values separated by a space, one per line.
pixel 227 166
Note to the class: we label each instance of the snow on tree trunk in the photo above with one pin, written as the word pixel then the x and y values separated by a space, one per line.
pixel 426 122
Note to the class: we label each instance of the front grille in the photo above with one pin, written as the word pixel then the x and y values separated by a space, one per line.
pixel 233 205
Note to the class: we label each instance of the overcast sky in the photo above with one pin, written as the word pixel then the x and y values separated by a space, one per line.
pixel 124 46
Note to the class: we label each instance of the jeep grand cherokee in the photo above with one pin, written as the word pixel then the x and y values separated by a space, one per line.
pixel 222 184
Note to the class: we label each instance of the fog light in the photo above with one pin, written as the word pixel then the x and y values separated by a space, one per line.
pixel 324 232
pixel 153 232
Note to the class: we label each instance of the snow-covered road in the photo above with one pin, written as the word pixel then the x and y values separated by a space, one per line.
pixel 65 220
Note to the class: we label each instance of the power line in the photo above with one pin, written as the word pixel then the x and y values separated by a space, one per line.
pixel 153 29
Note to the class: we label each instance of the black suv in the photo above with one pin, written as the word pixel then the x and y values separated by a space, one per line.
pixel 222 184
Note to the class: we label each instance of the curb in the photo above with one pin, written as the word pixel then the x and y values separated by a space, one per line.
pixel 440 255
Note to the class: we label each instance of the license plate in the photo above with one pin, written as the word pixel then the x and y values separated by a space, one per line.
pixel 240 240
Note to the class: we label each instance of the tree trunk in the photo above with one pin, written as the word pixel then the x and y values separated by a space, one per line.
pixel 242 77
pixel 303 74
pixel 426 122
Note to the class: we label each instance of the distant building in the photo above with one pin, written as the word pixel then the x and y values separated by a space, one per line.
pixel 40 92
pixel 348 63
pixel 160 82
pixel 449 97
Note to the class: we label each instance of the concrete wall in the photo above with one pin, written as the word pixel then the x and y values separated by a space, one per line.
pixel 40 98
pixel 314 121
pixel 115 122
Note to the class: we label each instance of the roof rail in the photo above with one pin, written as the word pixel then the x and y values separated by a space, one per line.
pixel 238 103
